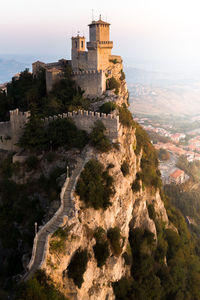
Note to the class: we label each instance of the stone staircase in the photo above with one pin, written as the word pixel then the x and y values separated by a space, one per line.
pixel 67 209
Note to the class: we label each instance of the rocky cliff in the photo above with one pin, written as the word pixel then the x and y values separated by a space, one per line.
pixel 128 210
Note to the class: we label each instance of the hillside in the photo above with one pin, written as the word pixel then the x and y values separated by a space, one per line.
pixel 172 100
pixel 115 235
pixel 9 67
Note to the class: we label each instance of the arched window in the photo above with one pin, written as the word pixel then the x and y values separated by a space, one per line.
pixel 82 44
pixel 76 44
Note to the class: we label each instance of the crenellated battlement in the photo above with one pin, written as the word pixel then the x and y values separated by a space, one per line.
pixel 89 72
pixel 85 120
pixel 17 114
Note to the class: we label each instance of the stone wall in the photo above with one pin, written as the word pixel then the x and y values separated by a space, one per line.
pixel 52 76
pixel 85 120
pixel 92 82
pixel 11 131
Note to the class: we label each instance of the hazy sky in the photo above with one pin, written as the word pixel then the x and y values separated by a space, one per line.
pixel 142 30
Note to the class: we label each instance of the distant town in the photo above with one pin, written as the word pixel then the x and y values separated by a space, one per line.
pixel 176 140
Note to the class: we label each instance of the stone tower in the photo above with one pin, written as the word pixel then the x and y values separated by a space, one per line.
pixel 99 46
pixel 78 52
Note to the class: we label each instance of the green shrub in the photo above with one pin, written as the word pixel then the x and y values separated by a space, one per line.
pixel 95 185
pixel 61 233
pixel 100 234
pixel 39 287
pixel 127 258
pixel 114 237
pixel 98 138
pixel 114 61
pixel 136 185
pixel 125 116
pixel 58 133
pixel 113 84
pixel 150 175
pixel 163 154
pixel 78 266
pixel 107 107
pixel 57 246
pixel 122 77
pixel 63 132
pixel 123 289
pixel 151 211
pixel 31 163
pixel 125 168
pixel 101 252
pixel 173 241
pixel 101 249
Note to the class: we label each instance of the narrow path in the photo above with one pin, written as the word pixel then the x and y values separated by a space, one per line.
pixel 67 209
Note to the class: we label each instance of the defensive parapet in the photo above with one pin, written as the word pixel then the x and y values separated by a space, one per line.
pixel 93 82
pixel 11 131
pixel 85 120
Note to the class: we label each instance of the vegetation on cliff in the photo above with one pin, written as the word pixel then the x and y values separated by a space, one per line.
pixel 77 266
pixel 40 287
pixel 95 185
pixel 23 202
pixel 152 277
pixel 98 139
pixel 101 248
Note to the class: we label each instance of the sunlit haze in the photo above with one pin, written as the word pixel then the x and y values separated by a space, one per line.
pixel 162 33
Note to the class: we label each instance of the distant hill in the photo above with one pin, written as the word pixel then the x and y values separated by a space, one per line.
pixel 174 100
pixel 8 68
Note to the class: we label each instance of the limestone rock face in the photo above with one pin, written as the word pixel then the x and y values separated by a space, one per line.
pixel 128 210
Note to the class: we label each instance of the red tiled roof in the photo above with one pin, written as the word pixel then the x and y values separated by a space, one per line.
pixel 177 173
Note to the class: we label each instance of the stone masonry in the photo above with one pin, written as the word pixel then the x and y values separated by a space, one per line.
pixel 11 131
pixel 89 68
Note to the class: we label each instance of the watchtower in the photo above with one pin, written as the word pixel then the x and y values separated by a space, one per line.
pixel 99 46
pixel 78 50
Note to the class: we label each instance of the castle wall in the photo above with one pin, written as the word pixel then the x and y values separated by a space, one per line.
pixel 92 82
pixel 85 120
pixel 11 131
pixel 103 55
pixel 92 60
pixel 52 76
pixel 79 60
pixel 37 66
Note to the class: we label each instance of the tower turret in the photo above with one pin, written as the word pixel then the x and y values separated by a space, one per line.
pixel 78 47
pixel 99 47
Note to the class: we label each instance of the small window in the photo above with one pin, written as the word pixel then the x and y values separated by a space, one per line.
pixel 82 44
pixel 76 44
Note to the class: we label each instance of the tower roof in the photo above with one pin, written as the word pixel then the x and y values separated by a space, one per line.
pixel 99 22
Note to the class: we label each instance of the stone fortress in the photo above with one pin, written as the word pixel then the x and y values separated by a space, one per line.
pixel 89 68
